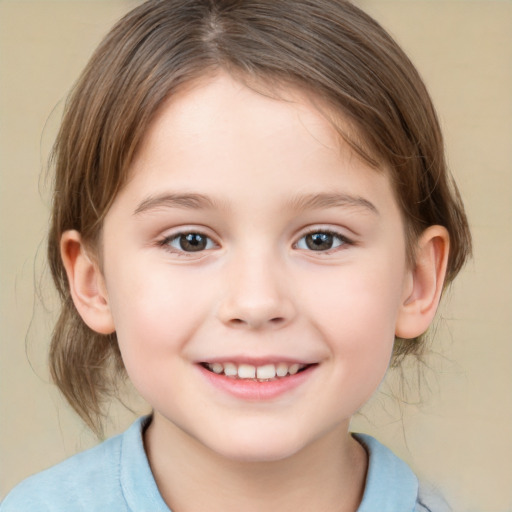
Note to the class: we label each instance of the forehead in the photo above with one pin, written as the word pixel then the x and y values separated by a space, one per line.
pixel 232 110
pixel 221 131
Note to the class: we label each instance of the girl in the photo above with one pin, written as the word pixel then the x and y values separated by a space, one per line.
pixel 252 217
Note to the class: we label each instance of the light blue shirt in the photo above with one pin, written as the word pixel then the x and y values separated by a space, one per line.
pixel 115 476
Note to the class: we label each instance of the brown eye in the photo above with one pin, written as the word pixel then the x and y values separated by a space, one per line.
pixel 189 242
pixel 321 241
pixel 193 242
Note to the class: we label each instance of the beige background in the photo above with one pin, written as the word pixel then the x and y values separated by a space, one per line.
pixel 456 430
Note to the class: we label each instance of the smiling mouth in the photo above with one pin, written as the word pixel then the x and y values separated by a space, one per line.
pixel 263 373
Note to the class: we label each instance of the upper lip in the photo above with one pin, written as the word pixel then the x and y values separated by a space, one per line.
pixel 257 361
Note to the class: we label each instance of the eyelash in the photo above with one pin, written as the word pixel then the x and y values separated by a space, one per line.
pixel 344 241
pixel 166 242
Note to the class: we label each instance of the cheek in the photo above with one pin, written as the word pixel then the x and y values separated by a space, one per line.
pixel 155 315
pixel 155 312
pixel 356 313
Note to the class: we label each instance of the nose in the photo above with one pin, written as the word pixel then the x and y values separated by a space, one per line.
pixel 256 295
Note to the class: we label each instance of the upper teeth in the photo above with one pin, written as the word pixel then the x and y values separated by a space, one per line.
pixel 248 371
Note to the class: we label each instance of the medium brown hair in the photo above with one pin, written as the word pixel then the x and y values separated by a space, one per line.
pixel 328 48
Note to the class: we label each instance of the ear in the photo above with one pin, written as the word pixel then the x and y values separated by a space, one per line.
pixel 424 283
pixel 86 283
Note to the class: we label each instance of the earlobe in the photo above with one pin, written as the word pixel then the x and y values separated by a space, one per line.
pixel 424 283
pixel 86 284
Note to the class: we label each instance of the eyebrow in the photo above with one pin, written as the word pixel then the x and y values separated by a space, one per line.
pixel 302 202
pixel 331 200
pixel 191 201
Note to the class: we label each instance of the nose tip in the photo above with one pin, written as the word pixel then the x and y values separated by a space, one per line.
pixel 256 298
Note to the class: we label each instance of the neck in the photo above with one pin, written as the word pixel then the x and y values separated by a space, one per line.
pixel 327 475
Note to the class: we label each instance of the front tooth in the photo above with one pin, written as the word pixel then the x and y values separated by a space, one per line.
pixel 294 368
pixel 267 371
pixel 217 367
pixel 247 371
pixel 230 369
pixel 282 370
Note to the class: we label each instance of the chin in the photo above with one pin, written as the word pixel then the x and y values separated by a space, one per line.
pixel 258 452
pixel 262 445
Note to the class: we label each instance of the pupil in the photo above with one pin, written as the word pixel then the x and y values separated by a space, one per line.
pixel 193 242
pixel 319 241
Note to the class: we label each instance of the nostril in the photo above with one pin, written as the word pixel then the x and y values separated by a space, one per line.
pixel 276 321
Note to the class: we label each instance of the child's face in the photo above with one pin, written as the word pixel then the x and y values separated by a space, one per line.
pixel 295 254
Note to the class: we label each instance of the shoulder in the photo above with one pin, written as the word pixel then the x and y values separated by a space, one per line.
pixel 391 485
pixel 431 500
pixel 87 481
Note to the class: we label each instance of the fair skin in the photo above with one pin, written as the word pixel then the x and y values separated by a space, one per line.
pixel 295 256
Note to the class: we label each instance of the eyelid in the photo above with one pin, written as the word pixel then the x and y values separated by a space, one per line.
pixel 164 241
pixel 346 241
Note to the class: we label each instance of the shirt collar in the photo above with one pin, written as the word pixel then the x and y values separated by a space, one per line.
pixel 390 485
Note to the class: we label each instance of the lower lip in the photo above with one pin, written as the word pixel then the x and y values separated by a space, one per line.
pixel 253 390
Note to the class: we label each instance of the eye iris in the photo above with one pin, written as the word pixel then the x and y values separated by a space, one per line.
pixel 193 242
pixel 319 241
